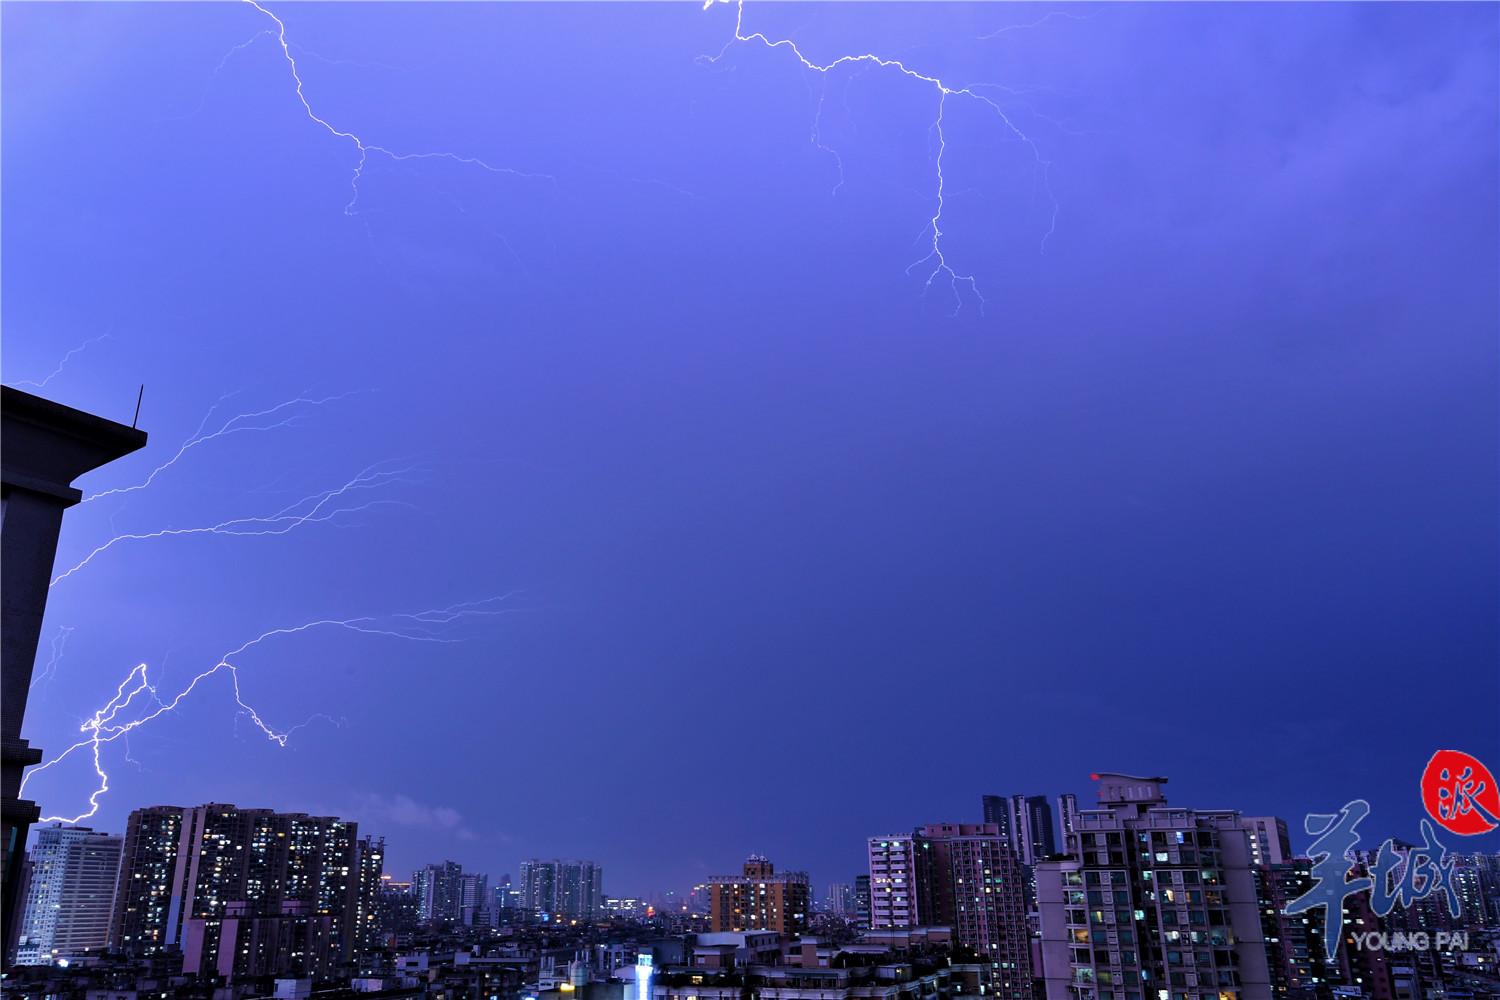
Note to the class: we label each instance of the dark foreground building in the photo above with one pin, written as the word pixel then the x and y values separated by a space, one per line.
pixel 246 892
pixel 44 446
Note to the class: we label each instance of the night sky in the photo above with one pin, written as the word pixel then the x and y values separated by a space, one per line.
pixel 795 554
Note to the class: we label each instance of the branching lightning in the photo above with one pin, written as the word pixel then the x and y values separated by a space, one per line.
pixel 315 508
pixel 361 146
pixel 59 643
pixel 42 383
pixel 240 423
pixel 115 720
pixel 1037 23
pixel 933 231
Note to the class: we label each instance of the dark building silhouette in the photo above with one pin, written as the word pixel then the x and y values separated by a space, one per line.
pixel 44 446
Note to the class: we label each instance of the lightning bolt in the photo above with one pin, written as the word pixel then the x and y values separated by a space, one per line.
pixel 113 720
pixel 42 384
pixel 313 509
pixel 932 232
pixel 240 423
pixel 362 147
pixel 59 642
pixel 1037 23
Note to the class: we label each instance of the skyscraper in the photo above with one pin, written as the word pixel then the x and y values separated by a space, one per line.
pixel 862 901
pixel 245 891
pixel 474 898
pixel 1067 811
pixel 960 875
pixel 1269 843
pixel 439 891
pixel 570 890
pixel 70 896
pixel 978 888
pixel 1152 900
pixel 760 899
pixel 839 899
pixel 1024 820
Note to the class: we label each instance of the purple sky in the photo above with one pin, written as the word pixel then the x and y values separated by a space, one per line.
pixel 1209 489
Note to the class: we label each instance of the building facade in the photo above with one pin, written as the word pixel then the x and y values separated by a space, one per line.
pixel 862 901
pixel 1026 821
pixel 977 888
pixel 44 446
pixel 900 867
pixel 215 879
pixel 1269 842
pixel 1151 901
pixel 1067 811
pixel 560 889
pixel 760 899
pixel 70 895
pixel 439 890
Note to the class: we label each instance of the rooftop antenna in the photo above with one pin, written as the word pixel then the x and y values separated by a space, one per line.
pixel 138 397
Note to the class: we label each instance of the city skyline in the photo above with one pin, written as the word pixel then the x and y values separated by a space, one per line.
pixel 1207 490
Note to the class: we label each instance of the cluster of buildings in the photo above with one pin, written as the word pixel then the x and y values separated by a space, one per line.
pixel 548 890
pixel 235 892
pixel 1132 899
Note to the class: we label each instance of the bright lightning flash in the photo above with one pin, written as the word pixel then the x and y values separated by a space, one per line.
pixel 361 146
pixel 326 505
pixel 59 643
pixel 933 232
pixel 286 413
pixel 115 720
pixel 42 383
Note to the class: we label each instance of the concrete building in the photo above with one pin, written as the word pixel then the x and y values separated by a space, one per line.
pixel 562 889
pixel 760 899
pixel 1026 821
pixel 44 446
pixel 70 895
pixel 978 889
pixel 839 899
pixel 1152 901
pixel 900 866
pixel 1269 842
pixel 474 899
pixel 1294 944
pixel 439 891
pixel 211 878
pixel 1067 810
pixel 862 901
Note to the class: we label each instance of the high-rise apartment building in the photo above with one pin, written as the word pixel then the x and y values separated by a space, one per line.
pixel 1026 821
pixel 1269 843
pixel 760 899
pixel 1151 901
pixel 959 875
pixel 862 901
pixel 439 891
pixel 245 892
pixel 70 895
pixel 839 899
pixel 899 874
pixel 561 889
pixel 977 887
pixel 474 899
pixel 1067 810
pixel 507 896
